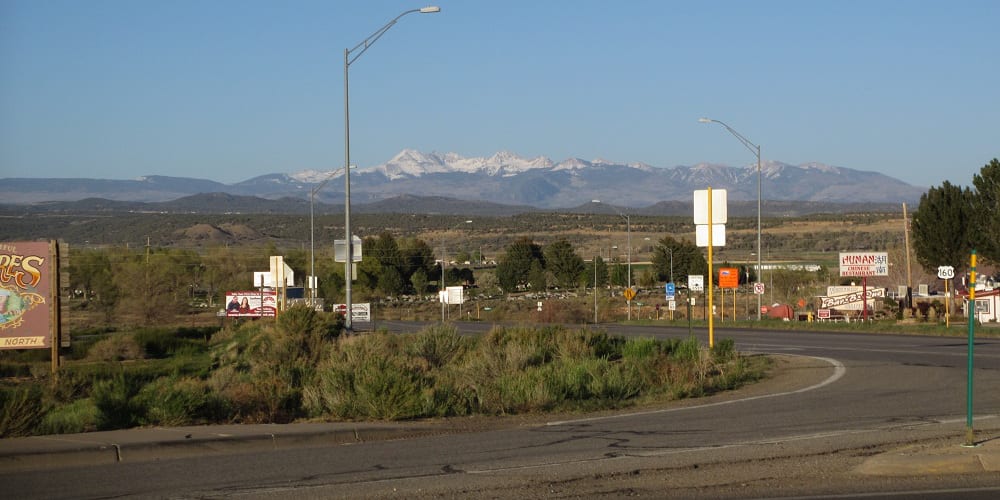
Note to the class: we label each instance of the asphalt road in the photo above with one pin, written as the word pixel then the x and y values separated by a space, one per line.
pixel 842 397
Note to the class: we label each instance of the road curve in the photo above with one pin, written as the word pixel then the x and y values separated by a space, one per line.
pixel 841 397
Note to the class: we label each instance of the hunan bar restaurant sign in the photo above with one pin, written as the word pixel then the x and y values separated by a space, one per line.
pixel 27 297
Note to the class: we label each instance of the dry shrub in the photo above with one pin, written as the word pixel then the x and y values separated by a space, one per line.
pixel 118 347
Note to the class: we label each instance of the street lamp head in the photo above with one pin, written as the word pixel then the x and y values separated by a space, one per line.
pixel 430 9
pixel 704 120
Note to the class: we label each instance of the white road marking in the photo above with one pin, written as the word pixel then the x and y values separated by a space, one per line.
pixel 838 372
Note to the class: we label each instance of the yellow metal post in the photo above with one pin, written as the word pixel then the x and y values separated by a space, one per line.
pixel 711 315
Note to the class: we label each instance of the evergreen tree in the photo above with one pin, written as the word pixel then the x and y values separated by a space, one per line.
pixel 943 227
pixel 563 262
pixel 514 268
pixel 987 211
pixel 687 259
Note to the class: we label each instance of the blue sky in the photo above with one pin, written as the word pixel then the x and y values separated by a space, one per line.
pixel 231 89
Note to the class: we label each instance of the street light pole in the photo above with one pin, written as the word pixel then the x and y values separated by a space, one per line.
pixel 348 60
pixel 312 236
pixel 755 149
pixel 444 255
pixel 628 241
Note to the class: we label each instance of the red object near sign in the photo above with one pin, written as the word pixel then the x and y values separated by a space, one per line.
pixel 729 277
pixel 763 309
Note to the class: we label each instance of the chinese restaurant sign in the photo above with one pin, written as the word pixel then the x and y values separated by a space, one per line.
pixel 864 264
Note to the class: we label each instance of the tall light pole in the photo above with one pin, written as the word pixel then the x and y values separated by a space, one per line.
pixel 628 232
pixel 444 303
pixel 312 235
pixel 348 60
pixel 755 149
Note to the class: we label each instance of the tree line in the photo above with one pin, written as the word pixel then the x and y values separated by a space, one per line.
pixel 951 221
pixel 154 284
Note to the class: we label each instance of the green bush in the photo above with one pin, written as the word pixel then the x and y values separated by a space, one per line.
pixel 173 401
pixel 640 348
pixel 437 345
pixel 79 416
pixel 687 351
pixel 724 350
pixel 21 408
pixel 116 402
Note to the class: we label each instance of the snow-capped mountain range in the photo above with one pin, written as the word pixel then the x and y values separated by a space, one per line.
pixel 504 178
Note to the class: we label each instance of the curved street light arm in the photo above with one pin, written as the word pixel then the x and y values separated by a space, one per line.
pixel 755 149
pixel 368 42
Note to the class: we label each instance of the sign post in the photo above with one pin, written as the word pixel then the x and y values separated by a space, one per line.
pixel 711 225
pixel 863 265
pixel 970 437
pixel 946 273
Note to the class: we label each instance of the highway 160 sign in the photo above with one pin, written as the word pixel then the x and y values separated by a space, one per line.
pixel 946 272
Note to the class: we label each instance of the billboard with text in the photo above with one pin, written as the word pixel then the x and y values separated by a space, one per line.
pixel 27 297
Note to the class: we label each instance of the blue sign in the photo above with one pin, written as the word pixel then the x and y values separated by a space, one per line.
pixel 670 291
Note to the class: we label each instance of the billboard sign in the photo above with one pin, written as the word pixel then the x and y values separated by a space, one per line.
pixel 251 304
pixel 27 295
pixel 864 264
pixel 849 297
pixel 729 277
pixel 360 312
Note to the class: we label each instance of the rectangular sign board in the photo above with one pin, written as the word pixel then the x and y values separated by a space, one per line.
pixel 251 304
pixel 361 312
pixel 696 283
pixel 27 295
pixel 719 207
pixel 718 235
pixel 848 298
pixel 729 277
pixel 863 264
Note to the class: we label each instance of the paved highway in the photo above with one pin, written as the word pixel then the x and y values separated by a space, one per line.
pixel 841 396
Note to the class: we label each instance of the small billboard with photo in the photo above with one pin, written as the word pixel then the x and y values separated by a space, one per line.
pixel 251 304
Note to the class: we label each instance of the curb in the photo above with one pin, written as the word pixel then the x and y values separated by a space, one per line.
pixel 152 444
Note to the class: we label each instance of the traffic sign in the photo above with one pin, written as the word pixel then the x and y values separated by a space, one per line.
pixel 696 282
pixel 671 291
pixel 946 272
pixel 629 294
pixel 758 288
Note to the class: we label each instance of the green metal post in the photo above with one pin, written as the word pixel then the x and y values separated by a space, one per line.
pixel 970 437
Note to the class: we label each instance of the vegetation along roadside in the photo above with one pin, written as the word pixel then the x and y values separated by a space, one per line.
pixel 301 367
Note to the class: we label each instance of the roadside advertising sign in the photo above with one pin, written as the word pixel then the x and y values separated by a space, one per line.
pixel 864 264
pixel 251 304
pixel 729 277
pixel 848 297
pixel 27 295
pixel 359 311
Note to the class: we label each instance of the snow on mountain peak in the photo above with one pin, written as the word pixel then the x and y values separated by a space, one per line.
pixel 412 163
